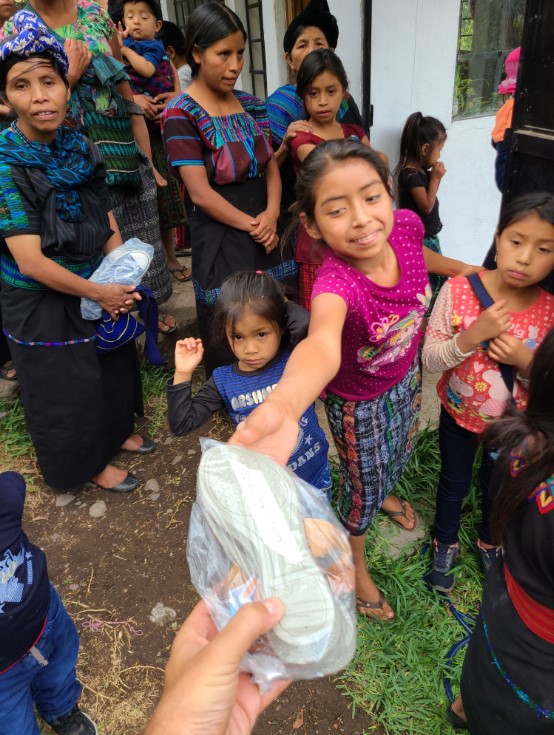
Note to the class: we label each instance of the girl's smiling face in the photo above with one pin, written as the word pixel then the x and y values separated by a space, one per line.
pixel 38 96
pixel 353 212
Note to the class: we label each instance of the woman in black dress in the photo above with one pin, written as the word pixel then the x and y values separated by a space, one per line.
pixel 219 140
pixel 55 223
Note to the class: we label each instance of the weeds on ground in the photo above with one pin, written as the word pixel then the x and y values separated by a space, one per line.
pixel 397 673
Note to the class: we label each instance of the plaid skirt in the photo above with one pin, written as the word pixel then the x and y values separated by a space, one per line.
pixel 374 440
pixel 307 273
pixel 171 207
pixel 136 213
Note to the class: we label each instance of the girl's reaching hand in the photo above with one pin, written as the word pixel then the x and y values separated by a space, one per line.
pixel 188 355
pixel 270 429
pixel 511 351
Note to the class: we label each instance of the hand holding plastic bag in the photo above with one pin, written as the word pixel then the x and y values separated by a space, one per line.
pixel 125 265
pixel 258 531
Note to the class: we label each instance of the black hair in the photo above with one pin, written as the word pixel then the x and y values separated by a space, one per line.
pixel 257 291
pixel 323 157
pixel 208 24
pixel 14 59
pixel 533 427
pixel 315 63
pixel 316 14
pixel 171 35
pixel 115 10
pixel 418 131
pixel 152 4
pixel 539 202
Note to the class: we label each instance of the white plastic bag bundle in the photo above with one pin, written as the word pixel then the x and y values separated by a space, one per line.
pixel 258 531
pixel 125 264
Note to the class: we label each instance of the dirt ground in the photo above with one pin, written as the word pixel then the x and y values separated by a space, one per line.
pixel 113 570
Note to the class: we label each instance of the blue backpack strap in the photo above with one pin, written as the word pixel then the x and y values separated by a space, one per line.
pixel 486 300
pixel 148 310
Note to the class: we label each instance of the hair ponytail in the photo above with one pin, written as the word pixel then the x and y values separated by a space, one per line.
pixel 418 131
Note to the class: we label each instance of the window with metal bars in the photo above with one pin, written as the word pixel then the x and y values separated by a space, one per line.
pixel 488 31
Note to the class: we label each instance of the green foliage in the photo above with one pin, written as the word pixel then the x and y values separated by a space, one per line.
pixel 14 437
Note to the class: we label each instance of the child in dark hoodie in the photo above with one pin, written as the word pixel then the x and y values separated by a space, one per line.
pixel 38 640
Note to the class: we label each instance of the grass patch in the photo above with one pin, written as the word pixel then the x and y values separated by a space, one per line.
pixel 397 673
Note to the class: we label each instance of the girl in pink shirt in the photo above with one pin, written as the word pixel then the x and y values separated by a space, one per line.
pixel 368 305
pixel 468 343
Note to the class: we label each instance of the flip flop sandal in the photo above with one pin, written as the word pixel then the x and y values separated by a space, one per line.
pixel 5 373
pixel 362 605
pixel 454 719
pixel 251 503
pixel 394 514
pixel 162 317
pixel 182 271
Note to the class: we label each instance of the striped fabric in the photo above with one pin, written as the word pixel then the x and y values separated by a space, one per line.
pixel 10 273
pixel 280 272
pixel 232 147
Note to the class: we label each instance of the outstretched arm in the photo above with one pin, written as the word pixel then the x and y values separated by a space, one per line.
pixel 272 428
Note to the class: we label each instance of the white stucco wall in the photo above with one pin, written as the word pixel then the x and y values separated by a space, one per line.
pixel 413 66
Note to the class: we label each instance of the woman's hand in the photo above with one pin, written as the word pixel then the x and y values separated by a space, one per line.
pixel 188 355
pixel 162 99
pixel 298 126
pixel 117 299
pixel 272 244
pixel 264 227
pixel 79 60
pixel 151 110
pixel 204 691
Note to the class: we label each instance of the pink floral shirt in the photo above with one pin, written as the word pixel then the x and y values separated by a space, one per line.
pixel 382 330
pixel 471 389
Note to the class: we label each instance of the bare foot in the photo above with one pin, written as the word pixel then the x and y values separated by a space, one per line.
pixel 458 708
pixel 133 443
pixel 110 476
pixel 406 517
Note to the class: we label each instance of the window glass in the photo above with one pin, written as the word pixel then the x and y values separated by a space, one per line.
pixel 488 31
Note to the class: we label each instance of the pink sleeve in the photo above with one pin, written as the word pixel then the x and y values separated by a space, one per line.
pixel 333 282
pixel 440 351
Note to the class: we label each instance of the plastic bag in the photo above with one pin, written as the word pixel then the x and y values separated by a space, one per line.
pixel 258 531
pixel 125 264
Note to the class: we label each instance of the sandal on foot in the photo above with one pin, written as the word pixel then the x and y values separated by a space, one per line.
pixel 454 719
pixel 403 513
pixel 362 605
pixel 5 372
pixel 163 326
pixel 186 274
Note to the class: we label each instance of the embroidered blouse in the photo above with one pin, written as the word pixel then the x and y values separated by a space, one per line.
pixel 233 148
